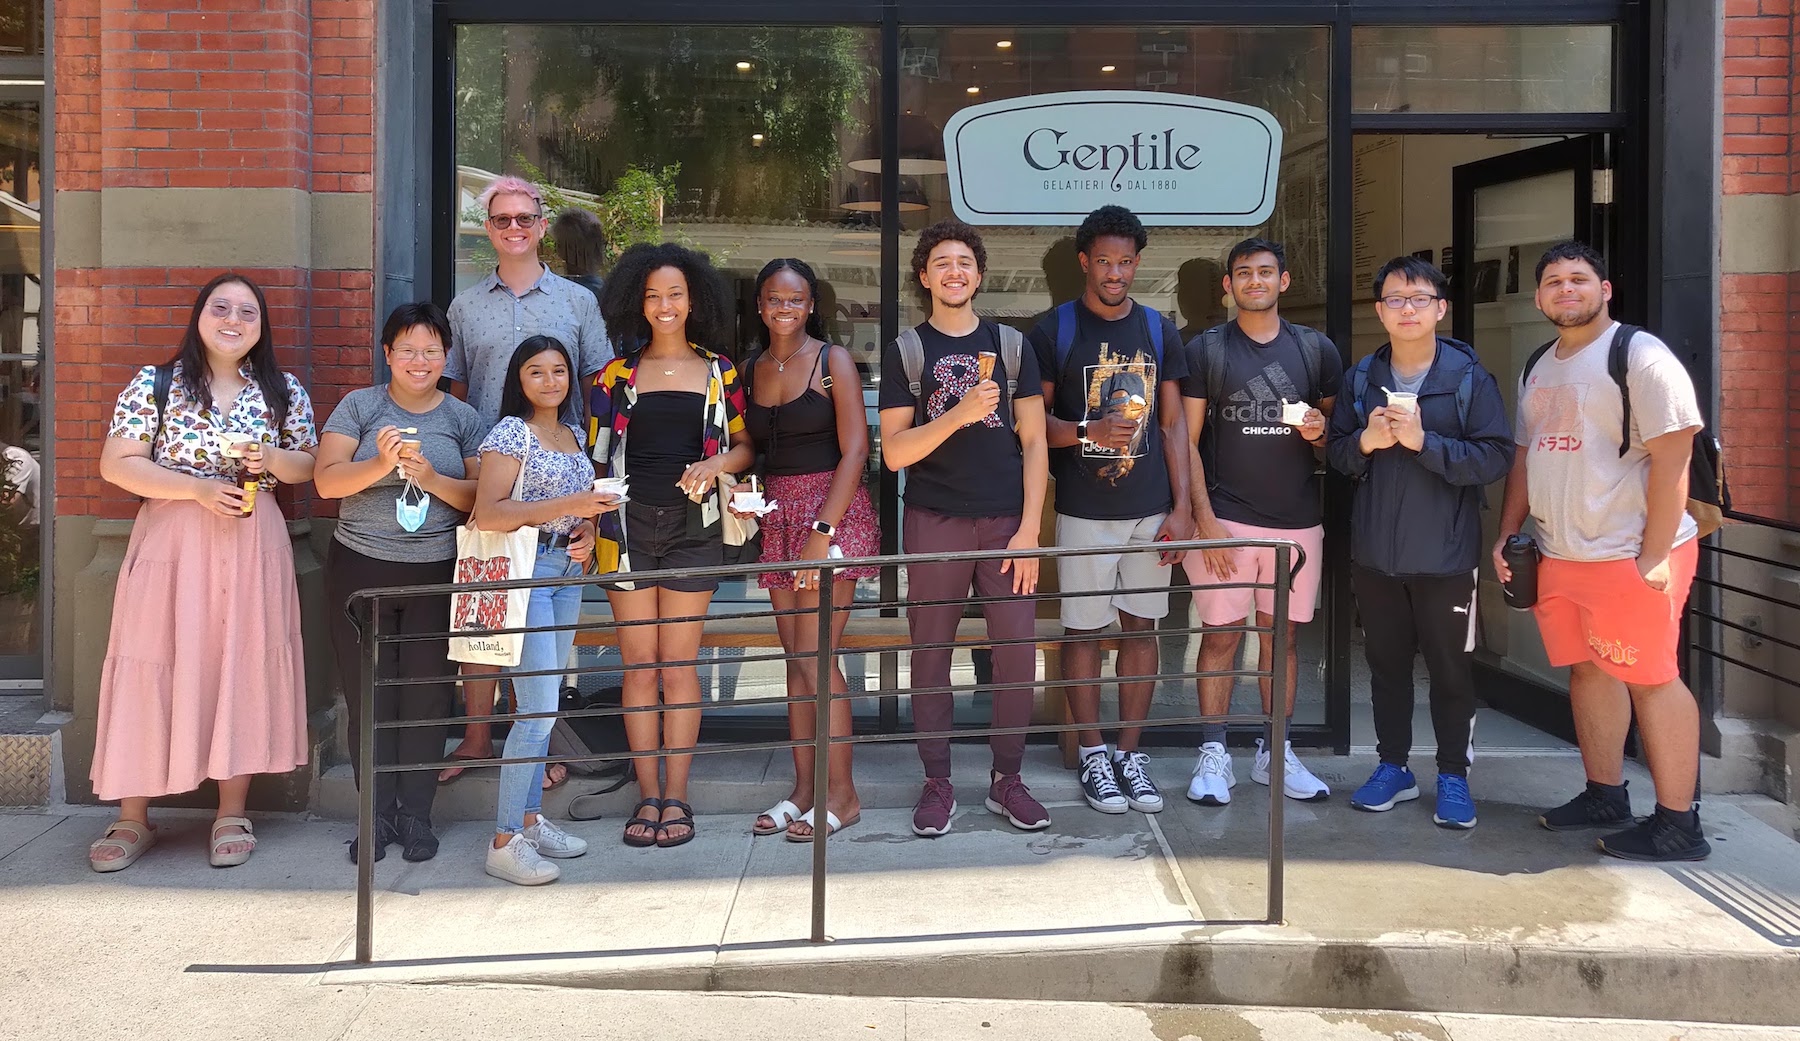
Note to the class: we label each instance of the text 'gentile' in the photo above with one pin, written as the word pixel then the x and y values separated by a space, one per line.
pixel 1157 152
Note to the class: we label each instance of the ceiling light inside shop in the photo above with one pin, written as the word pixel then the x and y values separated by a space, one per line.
pixel 756 139
pixel 1003 44
pixel 974 90
pixel 1109 68
pixel 743 66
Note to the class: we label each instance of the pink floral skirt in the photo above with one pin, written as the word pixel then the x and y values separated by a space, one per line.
pixel 784 532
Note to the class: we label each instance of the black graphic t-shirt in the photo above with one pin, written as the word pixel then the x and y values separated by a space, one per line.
pixel 1111 368
pixel 978 471
pixel 1260 470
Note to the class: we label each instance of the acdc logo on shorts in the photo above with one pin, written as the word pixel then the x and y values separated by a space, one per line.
pixel 1616 651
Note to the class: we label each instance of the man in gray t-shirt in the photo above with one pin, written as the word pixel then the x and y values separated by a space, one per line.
pixel 521 298
pixel 1619 551
pixel 449 435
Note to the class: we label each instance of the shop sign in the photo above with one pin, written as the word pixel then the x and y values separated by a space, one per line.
pixel 1172 159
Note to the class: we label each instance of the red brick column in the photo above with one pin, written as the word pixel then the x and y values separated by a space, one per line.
pixel 1760 289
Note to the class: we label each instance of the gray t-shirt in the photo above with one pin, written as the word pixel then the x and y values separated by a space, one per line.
pixel 1589 502
pixel 1410 386
pixel 487 324
pixel 449 433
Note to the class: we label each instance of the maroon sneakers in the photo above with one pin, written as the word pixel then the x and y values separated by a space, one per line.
pixel 1009 797
pixel 931 817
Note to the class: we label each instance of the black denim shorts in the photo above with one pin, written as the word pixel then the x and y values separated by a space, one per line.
pixel 670 537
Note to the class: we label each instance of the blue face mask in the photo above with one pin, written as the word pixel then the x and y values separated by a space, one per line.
pixel 410 511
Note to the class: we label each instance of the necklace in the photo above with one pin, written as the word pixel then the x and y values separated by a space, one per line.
pixel 781 363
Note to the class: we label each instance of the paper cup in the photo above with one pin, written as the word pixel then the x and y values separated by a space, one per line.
pixel 1293 413
pixel 984 364
pixel 236 446
pixel 747 502
pixel 1400 401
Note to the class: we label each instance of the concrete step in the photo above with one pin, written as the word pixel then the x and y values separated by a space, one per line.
pixel 28 750
pixel 1382 910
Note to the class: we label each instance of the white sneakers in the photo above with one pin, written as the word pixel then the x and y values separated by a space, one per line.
pixel 552 841
pixel 1297 782
pixel 518 862
pixel 521 861
pixel 1213 777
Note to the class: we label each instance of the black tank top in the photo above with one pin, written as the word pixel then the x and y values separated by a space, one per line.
pixel 798 436
pixel 662 441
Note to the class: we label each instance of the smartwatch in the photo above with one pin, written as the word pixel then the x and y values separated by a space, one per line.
pixel 1081 432
pixel 827 530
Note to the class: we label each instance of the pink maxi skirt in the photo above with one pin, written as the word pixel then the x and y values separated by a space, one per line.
pixel 204 674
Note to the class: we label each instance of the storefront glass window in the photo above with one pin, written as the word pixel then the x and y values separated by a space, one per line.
pixel 21 28
pixel 1482 68
pixel 21 376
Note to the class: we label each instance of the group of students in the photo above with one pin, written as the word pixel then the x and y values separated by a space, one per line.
pixel 1150 440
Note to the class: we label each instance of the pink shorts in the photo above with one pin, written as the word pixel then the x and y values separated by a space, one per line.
pixel 1230 605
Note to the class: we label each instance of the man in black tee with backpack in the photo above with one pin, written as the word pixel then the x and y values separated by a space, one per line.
pixel 1118 448
pixel 1422 428
pixel 1259 390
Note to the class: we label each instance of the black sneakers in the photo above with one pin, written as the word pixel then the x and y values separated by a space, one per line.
pixel 385 833
pixel 417 840
pixel 1659 837
pixel 1595 807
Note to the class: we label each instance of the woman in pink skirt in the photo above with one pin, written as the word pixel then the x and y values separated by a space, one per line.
pixel 806 416
pixel 203 675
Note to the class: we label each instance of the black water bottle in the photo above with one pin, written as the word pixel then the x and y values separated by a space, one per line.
pixel 1521 556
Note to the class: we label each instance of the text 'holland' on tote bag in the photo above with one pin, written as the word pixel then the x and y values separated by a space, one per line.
pixel 492 556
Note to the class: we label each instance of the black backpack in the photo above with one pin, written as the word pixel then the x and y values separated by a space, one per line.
pixel 1709 497
pixel 1312 356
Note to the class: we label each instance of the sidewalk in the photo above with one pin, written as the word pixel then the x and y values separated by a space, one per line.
pixel 1383 911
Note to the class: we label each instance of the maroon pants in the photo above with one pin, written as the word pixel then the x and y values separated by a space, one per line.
pixel 1010 619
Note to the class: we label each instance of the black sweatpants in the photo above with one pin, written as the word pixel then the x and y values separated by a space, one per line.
pixel 347 571
pixel 1402 617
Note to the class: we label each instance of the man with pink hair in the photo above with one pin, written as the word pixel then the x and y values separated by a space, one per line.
pixel 520 299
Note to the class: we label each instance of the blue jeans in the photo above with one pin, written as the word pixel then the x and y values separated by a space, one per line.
pixel 522 784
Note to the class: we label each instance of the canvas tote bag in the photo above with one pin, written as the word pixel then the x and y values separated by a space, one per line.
pixel 492 556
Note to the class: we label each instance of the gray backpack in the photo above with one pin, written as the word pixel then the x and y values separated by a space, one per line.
pixel 912 361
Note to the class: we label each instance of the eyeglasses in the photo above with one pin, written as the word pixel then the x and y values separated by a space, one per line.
pixel 502 221
pixel 224 309
pixel 414 354
pixel 1419 303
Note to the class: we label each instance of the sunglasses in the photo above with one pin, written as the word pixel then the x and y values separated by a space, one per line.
pixel 502 221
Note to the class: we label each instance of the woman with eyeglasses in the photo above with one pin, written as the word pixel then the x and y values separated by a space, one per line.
pixel 670 416
pixel 535 470
pixel 204 675
pixel 806 416
pixel 401 457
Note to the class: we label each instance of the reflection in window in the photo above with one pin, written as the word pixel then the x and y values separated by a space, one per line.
pixel 21 28
pixel 1482 68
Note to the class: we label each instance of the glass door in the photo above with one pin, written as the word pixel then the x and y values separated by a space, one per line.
pixel 1507 211
pixel 21 373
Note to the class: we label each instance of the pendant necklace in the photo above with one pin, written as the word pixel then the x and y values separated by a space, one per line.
pixel 781 363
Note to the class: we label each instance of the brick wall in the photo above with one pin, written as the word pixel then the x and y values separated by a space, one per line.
pixel 1760 309
pixel 204 94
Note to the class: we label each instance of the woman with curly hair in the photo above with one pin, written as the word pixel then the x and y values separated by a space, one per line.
pixel 806 416
pixel 204 674
pixel 669 414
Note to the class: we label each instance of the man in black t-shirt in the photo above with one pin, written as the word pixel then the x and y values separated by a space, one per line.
pixel 975 474
pixel 1118 447
pixel 1259 392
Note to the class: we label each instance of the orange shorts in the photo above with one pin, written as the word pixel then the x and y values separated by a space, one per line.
pixel 1601 611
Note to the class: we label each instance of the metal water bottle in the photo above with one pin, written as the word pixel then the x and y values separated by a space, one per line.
pixel 1521 556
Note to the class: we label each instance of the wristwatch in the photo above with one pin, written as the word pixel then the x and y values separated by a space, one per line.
pixel 827 530
pixel 1081 434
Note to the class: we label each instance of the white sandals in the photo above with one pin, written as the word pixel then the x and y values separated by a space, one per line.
pixel 219 858
pixel 139 838
pixel 782 813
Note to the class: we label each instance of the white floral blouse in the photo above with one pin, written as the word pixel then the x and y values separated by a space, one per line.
pixel 190 442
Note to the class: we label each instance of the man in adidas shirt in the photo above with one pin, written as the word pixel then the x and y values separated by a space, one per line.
pixel 1415 533
pixel 1619 552
pixel 1117 431
pixel 975 474
pixel 1254 476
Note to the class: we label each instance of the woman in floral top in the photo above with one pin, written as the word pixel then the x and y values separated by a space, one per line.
pixel 535 471
pixel 204 668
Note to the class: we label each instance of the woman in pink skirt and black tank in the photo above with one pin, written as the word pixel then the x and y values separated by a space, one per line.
pixel 203 676
pixel 806 416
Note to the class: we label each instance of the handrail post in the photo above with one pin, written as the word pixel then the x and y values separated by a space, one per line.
pixel 821 827
pixel 1281 632
pixel 365 796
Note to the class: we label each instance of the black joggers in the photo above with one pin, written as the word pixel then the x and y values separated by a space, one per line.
pixel 1402 617
pixel 347 571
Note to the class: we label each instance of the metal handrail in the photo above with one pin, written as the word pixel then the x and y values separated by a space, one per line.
pixel 362 609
